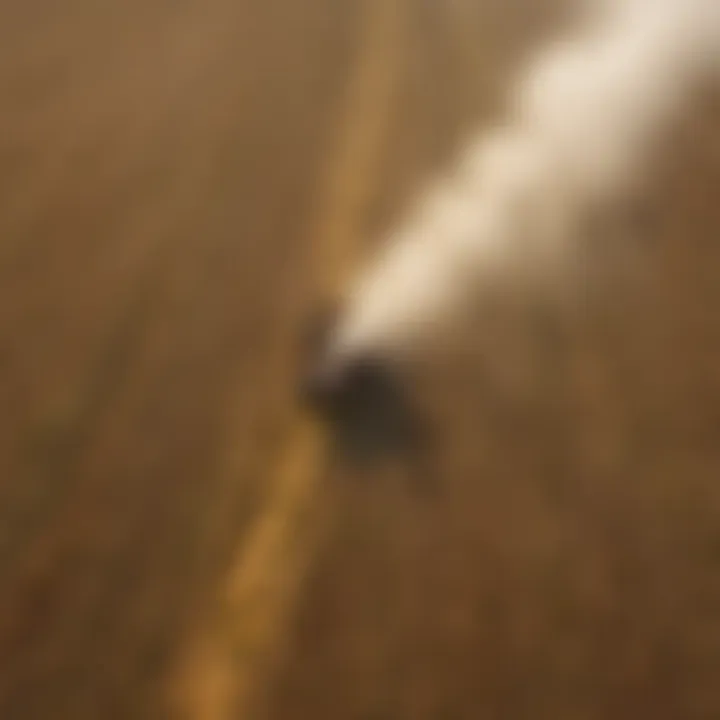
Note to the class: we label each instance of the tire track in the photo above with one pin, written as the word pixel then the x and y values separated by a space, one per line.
pixel 230 662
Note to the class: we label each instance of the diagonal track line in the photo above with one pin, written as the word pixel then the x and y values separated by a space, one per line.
pixel 266 577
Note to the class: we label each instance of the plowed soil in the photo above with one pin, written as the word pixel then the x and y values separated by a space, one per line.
pixel 178 183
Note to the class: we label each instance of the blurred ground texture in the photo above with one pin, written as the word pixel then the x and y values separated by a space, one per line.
pixel 176 181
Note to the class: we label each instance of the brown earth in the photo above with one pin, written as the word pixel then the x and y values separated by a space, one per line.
pixel 178 182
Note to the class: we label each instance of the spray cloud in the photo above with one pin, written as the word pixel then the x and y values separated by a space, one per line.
pixel 583 120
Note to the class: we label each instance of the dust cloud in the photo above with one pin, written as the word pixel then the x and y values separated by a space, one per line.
pixel 581 131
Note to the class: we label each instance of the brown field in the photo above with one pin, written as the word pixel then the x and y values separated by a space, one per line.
pixel 178 183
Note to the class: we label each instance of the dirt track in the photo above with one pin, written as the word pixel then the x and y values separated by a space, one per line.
pixel 178 182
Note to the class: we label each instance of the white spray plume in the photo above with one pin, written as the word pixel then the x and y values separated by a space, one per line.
pixel 582 124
